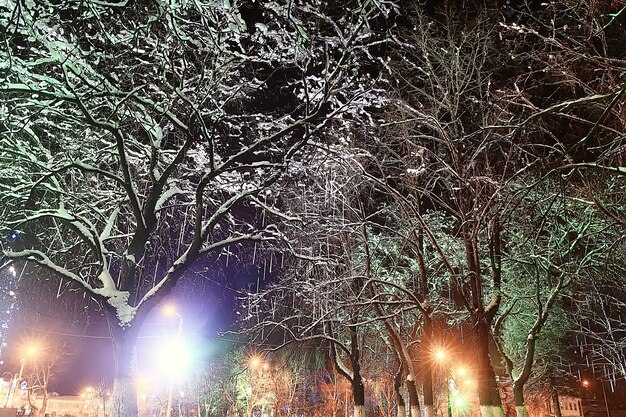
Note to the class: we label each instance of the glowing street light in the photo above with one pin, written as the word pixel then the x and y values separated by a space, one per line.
pixel 440 355
pixel 256 362
pixel 170 310
pixel 461 404
pixel 29 352
pixel 174 358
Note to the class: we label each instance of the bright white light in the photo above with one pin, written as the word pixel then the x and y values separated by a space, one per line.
pixel 174 357
pixel 12 270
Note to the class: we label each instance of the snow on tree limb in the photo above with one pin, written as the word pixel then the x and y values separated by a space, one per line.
pixel 43 260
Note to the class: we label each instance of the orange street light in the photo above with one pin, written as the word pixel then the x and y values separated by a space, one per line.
pixel 255 362
pixel 585 383
pixel 440 354
pixel 31 350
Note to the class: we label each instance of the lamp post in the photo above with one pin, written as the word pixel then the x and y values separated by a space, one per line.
pixel 606 403
pixel 441 357
pixel 171 311
pixel 30 351
pixel 259 369
pixel 585 385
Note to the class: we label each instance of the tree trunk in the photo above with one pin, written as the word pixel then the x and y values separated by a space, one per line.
pixel 358 392
pixel 554 394
pixel 427 370
pixel 518 398
pixel 414 401
pixel 44 402
pixel 397 389
pixel 359 410
pixel 124 400
pixel 488 393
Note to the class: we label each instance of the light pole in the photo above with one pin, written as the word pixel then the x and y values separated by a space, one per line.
pixel 606 403
pixel 441 357
pixel 258 377
pixel 171 311
pixel 585 385
pixel 30 351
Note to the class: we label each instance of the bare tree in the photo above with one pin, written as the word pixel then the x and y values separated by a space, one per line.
pixel 562 240
pixel 52 353
pixel 600 322
pixel 476 136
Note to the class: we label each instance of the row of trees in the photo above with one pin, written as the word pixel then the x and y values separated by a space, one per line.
pixel 412 165
pixel 470 206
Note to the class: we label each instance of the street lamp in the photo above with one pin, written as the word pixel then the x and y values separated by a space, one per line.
pixel 171 311
pixel 30 351
pixel 260 368
pixel 255 362
pixel 441 356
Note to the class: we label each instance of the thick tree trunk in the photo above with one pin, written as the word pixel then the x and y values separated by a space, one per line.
pixel 358 392
pixel 124 399
pixel 414 401
pixel 518 398
pixel 397 389
pixel 359 410
pixel 488 393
